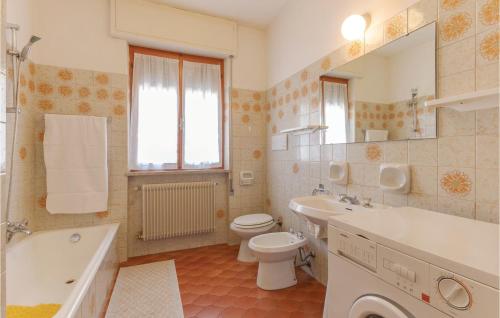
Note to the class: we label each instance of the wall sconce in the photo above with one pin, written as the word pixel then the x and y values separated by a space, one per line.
pixel 354 26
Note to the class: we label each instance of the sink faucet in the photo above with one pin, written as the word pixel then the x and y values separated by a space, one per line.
pixel 17 227
pixel 320 190
pixel 348 199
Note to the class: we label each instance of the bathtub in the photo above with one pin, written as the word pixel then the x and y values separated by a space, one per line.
pixel 55 267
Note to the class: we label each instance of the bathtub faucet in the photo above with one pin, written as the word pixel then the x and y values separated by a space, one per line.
pixel 17 227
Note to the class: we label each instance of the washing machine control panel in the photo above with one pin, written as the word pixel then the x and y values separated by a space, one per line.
pixel 354 247
pixel 407 273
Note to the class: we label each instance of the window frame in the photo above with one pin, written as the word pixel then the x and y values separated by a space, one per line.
pixel 332 79
pixel 181 57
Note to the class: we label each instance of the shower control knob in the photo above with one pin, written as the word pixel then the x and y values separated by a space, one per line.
pixel 454 293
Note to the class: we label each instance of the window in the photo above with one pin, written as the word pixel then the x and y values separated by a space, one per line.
pixel 335 109
pixel 176 111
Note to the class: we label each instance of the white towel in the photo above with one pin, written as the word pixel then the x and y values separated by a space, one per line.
pixel 376 135
pixel 76 162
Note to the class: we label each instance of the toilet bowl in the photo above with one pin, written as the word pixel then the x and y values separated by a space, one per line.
pixel 248 226
pixel 276 254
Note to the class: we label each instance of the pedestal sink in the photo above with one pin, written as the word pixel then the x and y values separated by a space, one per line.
pixel 317 209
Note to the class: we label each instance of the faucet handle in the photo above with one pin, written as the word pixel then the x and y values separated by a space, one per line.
pixel 300 235
pixel 291 231
pixel 367 202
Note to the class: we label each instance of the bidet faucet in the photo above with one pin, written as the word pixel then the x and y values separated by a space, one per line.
pixel 348 199
pixel 17 227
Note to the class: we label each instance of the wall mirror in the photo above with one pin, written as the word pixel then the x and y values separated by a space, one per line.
pixel 380 96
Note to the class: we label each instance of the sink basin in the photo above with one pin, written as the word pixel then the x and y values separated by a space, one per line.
pixel 317 209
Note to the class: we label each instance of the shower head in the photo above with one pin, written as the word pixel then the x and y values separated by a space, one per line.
pixel 26 49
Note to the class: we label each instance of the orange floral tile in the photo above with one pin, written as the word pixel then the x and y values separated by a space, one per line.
pixel 119 110
pixel 489 13
pixel 326 64
pixel 373 152
pixel 119 95
pixel 304 76
pixel 455 26
pixel 45 104
pixel 314 86
pixel 257 96
pixel 268 118
pixel 257 154
pixel 23 153
pixel 102 79
pixel 456 183
pixel 22 80
pixel 489 46
pixel 304 91
pixel 245 107
pixel 274 129
pixel 295 168
pixel 281 114
pixel 257 108
pixel 448 5
pixel 41 136
pixel 288 84
pixel 296 94
pixel 220 213
pixel 32 69
pixel 84 108
pixel 65 91
pixel 355 49
pixel 395 27
pixel 245 119
pixel 23 99
pixel 45 89
pixel 83 92
pixel 65 74
pixel 31 86
pixel 102 215
pixel 235 93
pixel 102 94
pixel 267 106
pixel 42 201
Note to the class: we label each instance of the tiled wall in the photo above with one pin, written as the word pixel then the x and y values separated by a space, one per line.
pixel 249 153
pixel 456 173
pixel 47 89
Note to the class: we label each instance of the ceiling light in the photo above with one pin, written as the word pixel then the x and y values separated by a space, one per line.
pixel 353 27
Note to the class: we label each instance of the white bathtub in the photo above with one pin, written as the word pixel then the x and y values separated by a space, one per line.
pixel 41 266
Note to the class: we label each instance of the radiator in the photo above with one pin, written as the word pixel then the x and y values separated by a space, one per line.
pixel 177 209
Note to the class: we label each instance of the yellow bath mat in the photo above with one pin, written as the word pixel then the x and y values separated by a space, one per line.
pixel 39 311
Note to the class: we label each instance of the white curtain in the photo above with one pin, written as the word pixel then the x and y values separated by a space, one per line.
pixel 202 115
pixel 154 113
pixel 335 112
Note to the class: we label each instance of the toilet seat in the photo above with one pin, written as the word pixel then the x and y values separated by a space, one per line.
pixel 252 221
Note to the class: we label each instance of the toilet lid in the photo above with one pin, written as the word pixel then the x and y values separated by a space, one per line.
pixel 253 220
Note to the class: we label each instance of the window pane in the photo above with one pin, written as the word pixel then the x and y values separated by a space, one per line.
pixel 154 113
pixel 202 115
pixel 157 131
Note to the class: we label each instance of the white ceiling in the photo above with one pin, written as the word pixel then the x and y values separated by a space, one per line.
pixel 259 13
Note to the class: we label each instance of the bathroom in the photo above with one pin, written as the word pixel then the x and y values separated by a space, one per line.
pixel 264 147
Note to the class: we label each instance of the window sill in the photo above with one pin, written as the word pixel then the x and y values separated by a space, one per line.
pixel 175 172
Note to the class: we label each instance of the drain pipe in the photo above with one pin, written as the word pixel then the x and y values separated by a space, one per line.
pixel 305 258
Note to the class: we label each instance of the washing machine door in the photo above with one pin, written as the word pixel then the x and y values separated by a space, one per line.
pixel 376 307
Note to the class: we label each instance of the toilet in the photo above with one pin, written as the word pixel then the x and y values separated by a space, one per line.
pixel 276 254
pixel 248 226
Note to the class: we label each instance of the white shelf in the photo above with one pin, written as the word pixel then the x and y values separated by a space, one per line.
pixel 466 102
pixel 302 130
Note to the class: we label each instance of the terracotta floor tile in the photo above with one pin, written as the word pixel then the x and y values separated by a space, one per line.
pixel 232 312
pixel 214 284
pixel 210 312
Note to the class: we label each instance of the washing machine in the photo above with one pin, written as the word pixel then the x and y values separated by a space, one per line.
pixel 411 263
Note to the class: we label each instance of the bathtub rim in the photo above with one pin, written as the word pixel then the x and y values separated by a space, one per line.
pixel 74 300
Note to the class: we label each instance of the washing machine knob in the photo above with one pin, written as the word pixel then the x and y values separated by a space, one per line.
pixel 454 293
